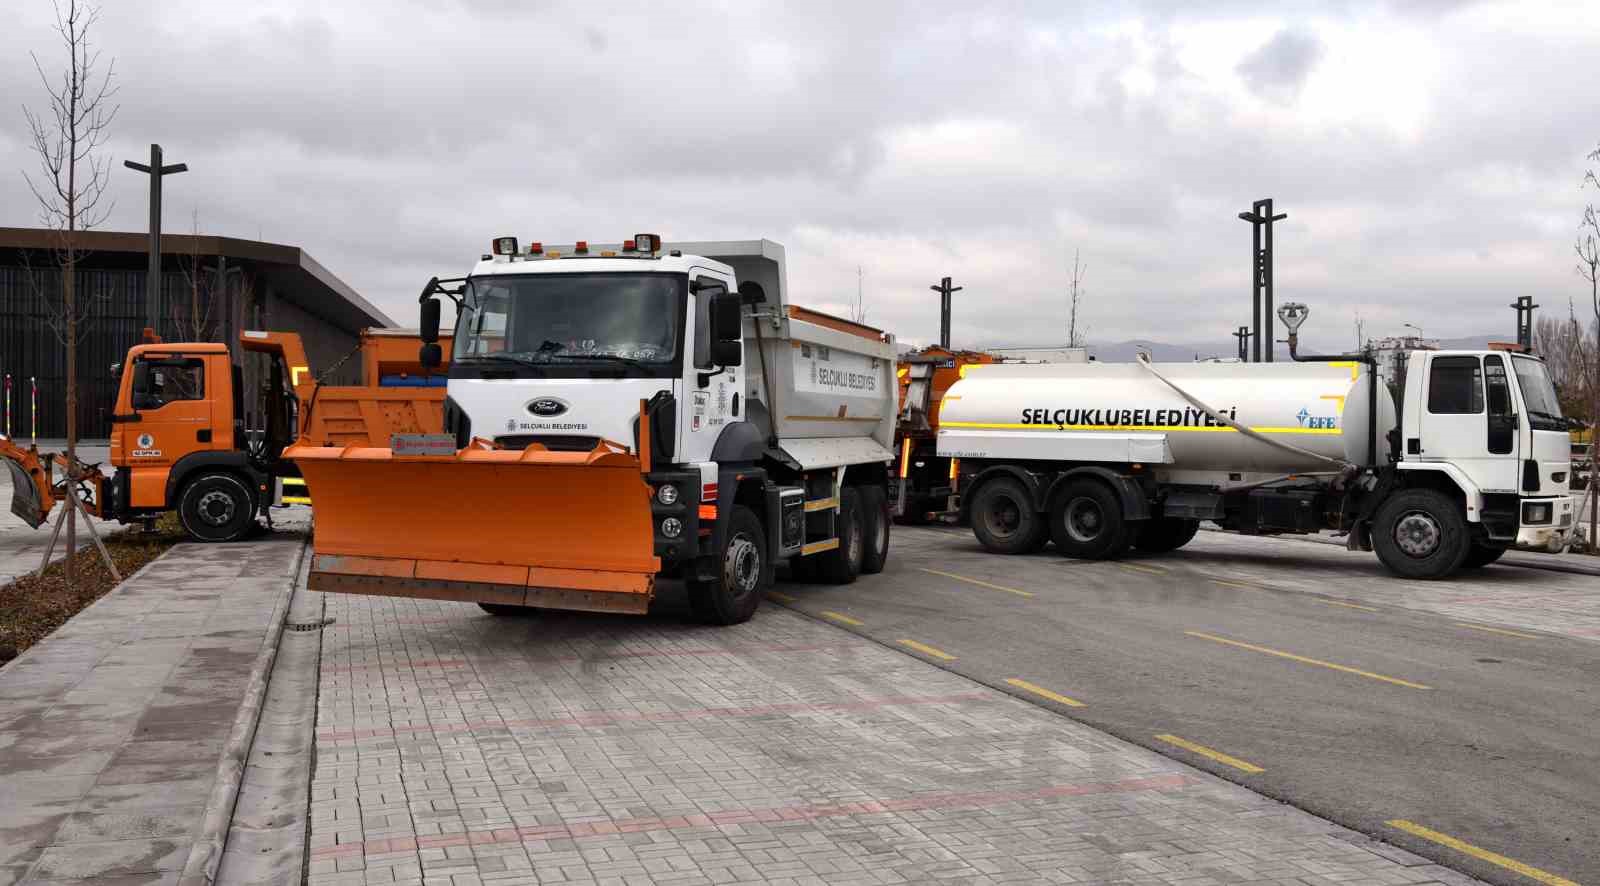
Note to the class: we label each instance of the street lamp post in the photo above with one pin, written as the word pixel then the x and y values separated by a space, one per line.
pixel 153 281
pixel 1413 326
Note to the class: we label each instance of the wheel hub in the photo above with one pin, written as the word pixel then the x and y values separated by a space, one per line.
pixel 1417 534
pixel 742 568
pixel 1003 517
pixel 216 508
pixel 1084 521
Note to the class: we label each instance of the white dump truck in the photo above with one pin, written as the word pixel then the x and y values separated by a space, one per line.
pixel 1100 458
pixel 614 414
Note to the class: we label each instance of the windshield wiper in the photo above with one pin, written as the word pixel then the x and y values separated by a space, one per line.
pixel 613 358
pixel 505 357
pixel 1540 413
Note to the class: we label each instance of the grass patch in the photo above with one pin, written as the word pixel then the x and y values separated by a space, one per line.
pixel 34 605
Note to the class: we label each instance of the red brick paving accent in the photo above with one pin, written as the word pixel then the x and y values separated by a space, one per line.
pixel 737 649
pixel 607 718
pixel 808 812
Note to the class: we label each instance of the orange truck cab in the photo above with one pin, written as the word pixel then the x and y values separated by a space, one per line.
pixel 925 483
pixel 178 440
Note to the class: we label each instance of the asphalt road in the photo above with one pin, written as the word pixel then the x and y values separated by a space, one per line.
pixel 1454 739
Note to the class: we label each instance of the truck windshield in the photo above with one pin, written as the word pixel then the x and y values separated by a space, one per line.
pixel 574 322
pixel 1539 395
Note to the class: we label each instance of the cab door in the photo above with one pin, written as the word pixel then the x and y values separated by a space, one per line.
pixel 710 391
pixel 172 418
pixel 1469 419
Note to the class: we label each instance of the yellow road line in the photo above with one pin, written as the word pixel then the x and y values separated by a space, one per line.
pixel 1462 624
pixel 840 617
pixel 925 649
pixel 1235 584
pixel 1045 693
pixel 981 584
pixel 1211 754
pixel 1300 658
pixel 1347 605
pixel 1495 858
pixel 779 596
pixel 1152 570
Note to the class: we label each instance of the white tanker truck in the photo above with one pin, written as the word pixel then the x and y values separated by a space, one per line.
pixel 1101 458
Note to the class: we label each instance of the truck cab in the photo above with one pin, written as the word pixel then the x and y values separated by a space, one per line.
pixel 1490 422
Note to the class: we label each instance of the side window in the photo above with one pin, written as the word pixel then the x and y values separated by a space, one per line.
pixel 705 289
pixel 1494 374
pixel 173 379
pixel 1455 386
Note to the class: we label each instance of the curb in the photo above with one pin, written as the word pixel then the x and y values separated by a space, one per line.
pixel 206 853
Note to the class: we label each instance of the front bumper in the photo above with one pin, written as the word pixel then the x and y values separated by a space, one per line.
pixel 1547 537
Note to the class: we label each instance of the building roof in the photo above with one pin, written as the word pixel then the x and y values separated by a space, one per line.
pixel 293 274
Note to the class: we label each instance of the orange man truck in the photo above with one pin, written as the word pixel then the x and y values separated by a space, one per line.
pixel 178 438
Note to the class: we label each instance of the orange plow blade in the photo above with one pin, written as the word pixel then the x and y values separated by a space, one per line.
pixel 32 490
pixel 562 530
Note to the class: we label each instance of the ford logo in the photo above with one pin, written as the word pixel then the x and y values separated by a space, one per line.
pixel 547 407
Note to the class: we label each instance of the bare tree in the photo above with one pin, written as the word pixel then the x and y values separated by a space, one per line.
pixel 69 187
pixel 1588 249
pixel 1076 335
pixel 193 321
pixel 858 313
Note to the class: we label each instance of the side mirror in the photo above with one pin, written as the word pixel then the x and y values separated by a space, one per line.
pixel 141 379
pixel 727 353
pixel 430 321
pixel 726 323
pixel 430 355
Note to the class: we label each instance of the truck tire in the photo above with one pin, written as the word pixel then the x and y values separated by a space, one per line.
pixel 732 597
pixel 215 506
pixel 508 610
pixel 1086 521
pixel 841 565
pixel 1421 533
pixel 876 520
pixel 1165 534
pixel 1004 521
pixel 1481 555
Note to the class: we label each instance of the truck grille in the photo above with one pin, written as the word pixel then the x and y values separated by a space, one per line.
pixel 552 442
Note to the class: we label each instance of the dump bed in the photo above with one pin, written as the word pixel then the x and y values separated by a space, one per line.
pixel 832 384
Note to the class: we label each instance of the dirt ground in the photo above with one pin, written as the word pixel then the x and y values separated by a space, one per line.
pixel 33 606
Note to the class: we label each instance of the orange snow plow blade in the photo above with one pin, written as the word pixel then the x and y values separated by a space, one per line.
pixel 32 492
pixel 561 530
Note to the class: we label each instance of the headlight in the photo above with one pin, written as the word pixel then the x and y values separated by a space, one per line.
pixel 1536 512
pixel 672 527
pixel 667 494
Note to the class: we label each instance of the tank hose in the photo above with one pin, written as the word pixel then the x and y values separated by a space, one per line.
pixel 1221 419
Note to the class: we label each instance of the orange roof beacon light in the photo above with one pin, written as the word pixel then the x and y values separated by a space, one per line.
pixel 536 248
pixel 581 247
pixel 628 246
pixel 504 246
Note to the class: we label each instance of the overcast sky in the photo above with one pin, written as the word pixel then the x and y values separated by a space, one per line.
pixel 1429 154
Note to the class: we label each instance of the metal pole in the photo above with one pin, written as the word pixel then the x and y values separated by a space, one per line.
pixel 153 276
pixel 1255 289
pixel 1271 342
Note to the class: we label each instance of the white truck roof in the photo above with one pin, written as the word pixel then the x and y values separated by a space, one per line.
pixel 761 261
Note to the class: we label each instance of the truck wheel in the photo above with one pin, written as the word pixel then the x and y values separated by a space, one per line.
pixel 509 610
pixel 1004 521
pixel 1166 534
pixel 876 520
pixel 732 597
pixel 1481 555
pixel 1086 522
pixel 841 565
pixel 216 507
pixel 1421 533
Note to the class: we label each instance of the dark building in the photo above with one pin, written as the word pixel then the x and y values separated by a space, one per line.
pixel 211 289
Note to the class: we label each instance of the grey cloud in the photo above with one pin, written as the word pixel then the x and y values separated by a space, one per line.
pixel 1278 68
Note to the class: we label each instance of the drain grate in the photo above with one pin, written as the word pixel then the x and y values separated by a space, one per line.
pixel 317 625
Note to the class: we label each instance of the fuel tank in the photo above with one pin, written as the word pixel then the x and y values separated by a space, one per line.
pixel 1113 412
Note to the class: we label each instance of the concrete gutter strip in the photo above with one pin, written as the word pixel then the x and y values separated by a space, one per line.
pixel 206 853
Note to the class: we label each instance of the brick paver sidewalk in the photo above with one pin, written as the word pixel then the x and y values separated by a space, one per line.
pixel 112 728
pixel 454 747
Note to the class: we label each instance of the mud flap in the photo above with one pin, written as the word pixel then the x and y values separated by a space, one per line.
pixel 561 530
pixel 31 497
